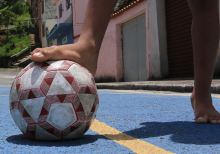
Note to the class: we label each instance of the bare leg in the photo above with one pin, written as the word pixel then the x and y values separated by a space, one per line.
pixel 86 50
pixel 205 37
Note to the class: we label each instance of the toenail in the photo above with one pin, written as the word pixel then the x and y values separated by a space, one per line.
pixel 214 121
pixel 38 54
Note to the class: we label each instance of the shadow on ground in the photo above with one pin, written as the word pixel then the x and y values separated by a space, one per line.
pixel 179 131
pixel 23 140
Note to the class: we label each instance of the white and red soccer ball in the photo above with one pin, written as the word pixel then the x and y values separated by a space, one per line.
pixel 53 100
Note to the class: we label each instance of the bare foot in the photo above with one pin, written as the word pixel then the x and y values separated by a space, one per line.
pixel 83 54
pixel 204 110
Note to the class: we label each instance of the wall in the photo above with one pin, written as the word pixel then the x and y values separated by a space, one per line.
pixel 157 47
pixel 53 42
pixel 79 11
pixel 66 13
pixel 67 17
pixel 110 62
pixel 48 18
pixel 49 23
pixel 76 39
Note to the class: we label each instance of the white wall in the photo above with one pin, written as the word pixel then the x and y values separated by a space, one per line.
pixel 158 59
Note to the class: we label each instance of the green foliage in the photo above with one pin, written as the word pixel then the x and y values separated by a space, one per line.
pixel 15 15
pixel 7 17
pixel 13 31
pixel 4 3
pixel 121 4
pixel 118 5
pixel 20 7
pixel 14 44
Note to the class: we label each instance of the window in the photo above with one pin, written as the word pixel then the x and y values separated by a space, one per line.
pixel 67 4
pixel 43 29
pixel 42 6
pixel 61 10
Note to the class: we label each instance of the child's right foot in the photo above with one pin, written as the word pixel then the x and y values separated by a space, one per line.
pixel 204 111
pixel 83 54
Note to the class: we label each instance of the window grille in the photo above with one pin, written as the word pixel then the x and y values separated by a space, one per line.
pixel 67 4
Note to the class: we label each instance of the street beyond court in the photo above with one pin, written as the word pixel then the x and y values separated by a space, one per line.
pixel 126 122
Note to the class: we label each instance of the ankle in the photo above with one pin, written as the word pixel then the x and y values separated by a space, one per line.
pixel 89 46
pixel 201 99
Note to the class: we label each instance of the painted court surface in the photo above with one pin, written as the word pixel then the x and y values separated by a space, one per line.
pixel 126 122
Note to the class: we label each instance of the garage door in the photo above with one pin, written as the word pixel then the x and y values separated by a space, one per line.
pixel 134 49
pixel 179 43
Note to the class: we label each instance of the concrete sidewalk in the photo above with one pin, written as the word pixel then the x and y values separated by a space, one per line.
pixel 8 75
pixel 161 85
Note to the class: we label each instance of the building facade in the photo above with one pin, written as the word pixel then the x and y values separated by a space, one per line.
pixel 134 47
pixel 145 40
pixel 47 19
pixel 64 30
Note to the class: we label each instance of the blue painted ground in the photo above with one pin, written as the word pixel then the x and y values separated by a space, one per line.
pixel 13 141
pixel 163 120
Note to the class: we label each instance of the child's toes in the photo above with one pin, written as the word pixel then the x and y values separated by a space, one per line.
pixel 213 121
pixel 201 120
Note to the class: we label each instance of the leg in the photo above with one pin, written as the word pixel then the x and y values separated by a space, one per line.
pixel 86 50
pixel 205 38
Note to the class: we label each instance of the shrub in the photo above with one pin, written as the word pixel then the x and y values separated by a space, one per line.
pixel 14 44
pixel 13 30
pixel 20 7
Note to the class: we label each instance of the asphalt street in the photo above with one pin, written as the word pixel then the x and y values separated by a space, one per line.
pixel 128 121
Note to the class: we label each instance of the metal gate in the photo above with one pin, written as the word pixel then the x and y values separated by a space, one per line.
pixel 134 49
pixel 179 42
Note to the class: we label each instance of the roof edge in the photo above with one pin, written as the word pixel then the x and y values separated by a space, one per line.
pixel 119 12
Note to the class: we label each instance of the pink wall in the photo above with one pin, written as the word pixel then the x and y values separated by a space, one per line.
pixel 79 10
pixel 66 13
pixel 79 7
pixel 110 62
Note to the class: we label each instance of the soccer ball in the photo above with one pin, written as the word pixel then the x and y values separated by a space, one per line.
pixel 53 100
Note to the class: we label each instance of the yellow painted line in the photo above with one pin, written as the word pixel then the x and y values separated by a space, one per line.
pixel 134 144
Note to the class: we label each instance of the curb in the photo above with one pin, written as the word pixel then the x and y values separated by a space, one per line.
pixel 154 87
